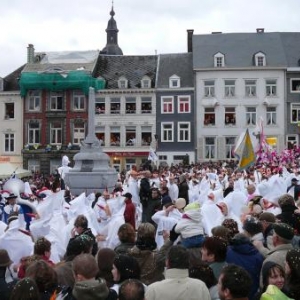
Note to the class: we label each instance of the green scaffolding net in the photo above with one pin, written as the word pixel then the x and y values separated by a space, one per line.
pixel 59 81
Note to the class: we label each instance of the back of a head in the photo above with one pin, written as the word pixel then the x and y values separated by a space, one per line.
pixel 217 246
pixel 41 246
pixel 85 265
pixel 132 289
pixel 26 288
pixel 178 257
pixel 128 267
pixel 237 280
pixel 126 233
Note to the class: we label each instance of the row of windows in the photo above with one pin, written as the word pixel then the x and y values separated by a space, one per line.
pixel 250 88
pixel 230 116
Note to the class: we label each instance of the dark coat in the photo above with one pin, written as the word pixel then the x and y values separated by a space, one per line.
pixel 183 191
pixel 248 257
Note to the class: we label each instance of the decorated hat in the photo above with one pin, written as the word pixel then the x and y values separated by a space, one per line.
pixel 11 196
pixel 5 260
pixel 284 230
pixel 252 226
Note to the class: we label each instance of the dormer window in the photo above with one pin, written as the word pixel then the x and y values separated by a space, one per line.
pixel 146 82
pixel 174 81
pixel 122 83
pixel 219 60
pixel 260 59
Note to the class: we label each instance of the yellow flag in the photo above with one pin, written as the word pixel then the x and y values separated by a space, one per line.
pixel 245 152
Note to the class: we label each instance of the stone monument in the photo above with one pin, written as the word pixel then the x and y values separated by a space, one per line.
pixel 91 171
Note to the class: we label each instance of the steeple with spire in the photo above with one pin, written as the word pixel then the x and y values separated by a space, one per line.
pixel 112 47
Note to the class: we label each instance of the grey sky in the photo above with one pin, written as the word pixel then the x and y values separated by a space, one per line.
pixel 144 26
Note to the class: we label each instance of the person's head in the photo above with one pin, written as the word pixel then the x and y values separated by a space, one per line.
pixel 252 226
pixel 283 234
pixel 155 193
pixel 5 260
pixel 81 223
pixel 27 289
pixel 132 289
pixel 11 199
pixel 221 232
pixel 286 200
pixel 234 282
pixel 205 273
pixel 126 233
pixel 266 218
pixel 251 189
pixel 42 247
pixel 146 237
pixel 85 267
pixel 214 249
pixel 80 244
pixel 272 273
pixel 232 226
pixel 105 260
pixel 125 267
pixel 292 265
pixel 43 274
pixel 177 258
pixel 294 181
pixel 65 274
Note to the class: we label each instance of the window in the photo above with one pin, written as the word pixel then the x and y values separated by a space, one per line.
pixel 250 88
pixel 100 134
pixel 55 133
pixel 230 116
pixel 56 101
pixel 209 116
pixel 146 135
pixel 271 89
pixel 78 133
pixel 115 106
pixel 34 133
pixel 146 105
pixel 130 162
pixel 184 104
pixel 9 111
pixel 250 115
pixel 130 136
pixel 174 81
pixel 78 100
pixel 295 115
pixel 210 147
pixel 146 82
pixel 130 105
pixel 295 85
pixel 219 60
pixel 122 83
pixel 229 88
pixel 260 59
pixel 9 143
pixel 229 145
pixel 34 100
pixel 167 132
pixel 100 106
pixel 184 131
pixel 209 88
pixel 34 165
pixel 271 116
pixel 115 136
pixel 292 141
pixel 167 105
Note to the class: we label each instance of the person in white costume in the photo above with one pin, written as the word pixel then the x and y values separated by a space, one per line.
pixel 132 187
pixel 173 187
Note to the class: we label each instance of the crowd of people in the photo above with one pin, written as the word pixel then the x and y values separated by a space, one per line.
pixel 203 231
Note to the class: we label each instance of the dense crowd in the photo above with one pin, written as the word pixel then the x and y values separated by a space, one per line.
pixel 201 231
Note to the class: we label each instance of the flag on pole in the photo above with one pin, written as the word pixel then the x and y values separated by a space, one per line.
pixel 245 152
pixel 152 155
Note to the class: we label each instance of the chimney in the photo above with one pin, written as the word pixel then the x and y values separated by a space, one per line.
pixel 190 40
pixel 260 30
pixel 30 54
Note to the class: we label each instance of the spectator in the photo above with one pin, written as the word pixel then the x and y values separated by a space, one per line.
pixel 292 269
pixel 132 289
pixel 129 213
pixel 234 283
pixel 126 234
pixel 27 289
pixel 177 285
pixel 105 260
pixel 125 267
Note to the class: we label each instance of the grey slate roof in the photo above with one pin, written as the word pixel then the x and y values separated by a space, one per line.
pixel 11 81
pixel 238 48
pixel 133 68
pixel 180 64
pixel 291 45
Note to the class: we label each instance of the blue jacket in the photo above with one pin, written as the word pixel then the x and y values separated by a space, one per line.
pixel 248 257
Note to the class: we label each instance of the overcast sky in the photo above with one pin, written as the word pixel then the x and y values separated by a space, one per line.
pixel 144 26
